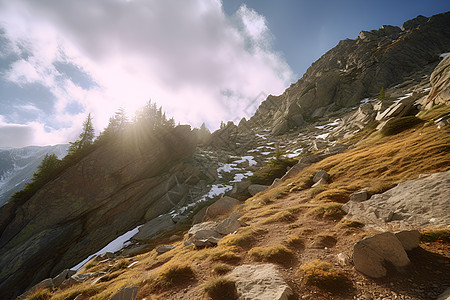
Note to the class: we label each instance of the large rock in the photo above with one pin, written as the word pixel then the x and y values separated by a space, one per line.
pixel 203 235
pixel 321 175
pixel 256 188
pixel 371 254
pixel 222 207
pixel 411 204
pixel 410 239
pixel 155 228
pixel 263 282
pixel 66 274
pixel 105 194
pixel 440 83
pixel 401 108
pixel 208 234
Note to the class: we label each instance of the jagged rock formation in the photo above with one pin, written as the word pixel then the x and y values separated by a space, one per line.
pixel 356 69
pixel 110 191
pixel 440 82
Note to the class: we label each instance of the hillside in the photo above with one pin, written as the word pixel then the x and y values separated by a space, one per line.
pixel 259 209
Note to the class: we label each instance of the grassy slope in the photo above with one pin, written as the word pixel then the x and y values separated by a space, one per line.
pixel 290 225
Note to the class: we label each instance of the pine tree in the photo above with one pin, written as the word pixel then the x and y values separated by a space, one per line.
pixel 381 95
pixel 85 139
pixel 49 164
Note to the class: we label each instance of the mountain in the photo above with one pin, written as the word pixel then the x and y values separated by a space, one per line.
pixel 357 69
pixel 183 195
pixel 17 166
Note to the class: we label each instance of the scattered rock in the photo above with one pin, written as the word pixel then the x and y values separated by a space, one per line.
pixel 199 216
pixel 128 293
pixel 222 207
pixel 304 162
pixel 203 235
pixel 343 259
pixel 371 253
pixel 321 181
pixel 256 188
pixel 240 190
pixel 208 234
pixel 133 250
pixel 321 174
pixel 230 224
pixel 59 279
pixel 359 196
pixel 164 248
pixel 155 228
pixel 262 282
pixel 411 204
pixel 410 239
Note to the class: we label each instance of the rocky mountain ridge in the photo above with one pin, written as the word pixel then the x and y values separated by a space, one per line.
pixel 357 69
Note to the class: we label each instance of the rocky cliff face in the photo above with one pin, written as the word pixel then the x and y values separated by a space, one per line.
pixel 113 189
pixel 356 69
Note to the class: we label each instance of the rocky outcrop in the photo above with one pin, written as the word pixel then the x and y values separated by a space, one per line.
pixel 110 191
pixel 208 234
pixel 356 69
pixel 260 282
pixel 440 82
pixel 411 204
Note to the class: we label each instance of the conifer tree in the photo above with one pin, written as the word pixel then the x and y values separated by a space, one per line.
pixel 85 139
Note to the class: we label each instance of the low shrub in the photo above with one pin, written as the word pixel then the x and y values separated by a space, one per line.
pixel 329 210
pixel 398 125
pixel 282 216
pixel 351 223
pixel 221 289
pixel 276 168
pixel 435 234
pixel 170 276
pixel 221 269
pixel 278 254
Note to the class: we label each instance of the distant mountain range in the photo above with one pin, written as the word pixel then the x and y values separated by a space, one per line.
pixel 17 166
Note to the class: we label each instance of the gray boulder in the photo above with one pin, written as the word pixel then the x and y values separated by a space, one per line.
pixel 199 216
pixel 411 204
pixel 263 282
pixel 222 207
pixel 155 228
pixel 410 239
pixel 59 279
pixel 256 188
pixel 322 181
pixel 230 224
pixel 359 196
pixel 321 174
pixel 371 253
pixel 440 82
pixel 164 248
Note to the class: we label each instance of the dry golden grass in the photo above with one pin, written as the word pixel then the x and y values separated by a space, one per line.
pixel 221 269
pixel 435 234
pixel 323 275
pixel 277 254
pixel 385 161
pixel 282 216
pixel 244 238
pixel 350 223
pixel 328 210
pixel 170 276
pixel 295 241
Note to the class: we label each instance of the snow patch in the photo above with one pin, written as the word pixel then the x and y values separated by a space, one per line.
pixel 113 246
pixel 442 55
pixel 251 160
pixel 323 136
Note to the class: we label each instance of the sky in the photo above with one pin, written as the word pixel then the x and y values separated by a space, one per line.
pixel 201 60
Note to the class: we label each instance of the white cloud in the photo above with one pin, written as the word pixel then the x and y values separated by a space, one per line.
pixel 198 63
